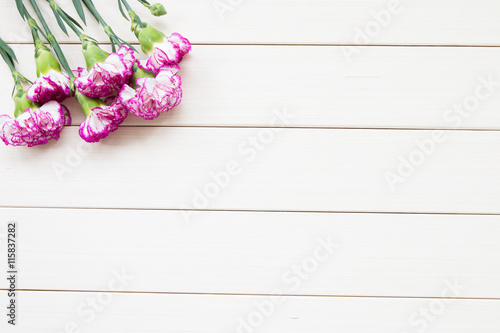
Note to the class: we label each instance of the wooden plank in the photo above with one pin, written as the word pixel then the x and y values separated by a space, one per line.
pixel 260 169
pixel 71 312
pixel 386 87
pixel 436 22
pixel 257 253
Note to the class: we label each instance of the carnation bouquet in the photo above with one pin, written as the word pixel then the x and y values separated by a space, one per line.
pixel 109 87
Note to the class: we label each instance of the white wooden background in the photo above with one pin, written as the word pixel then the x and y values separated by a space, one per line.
pixel 115 237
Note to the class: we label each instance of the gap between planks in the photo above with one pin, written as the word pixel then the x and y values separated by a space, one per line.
pixel 252 211
pixel 294 44
pixel 317 127
pixel 251 295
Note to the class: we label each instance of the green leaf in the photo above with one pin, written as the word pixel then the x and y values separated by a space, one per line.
pixel 121 10
pixel 68 17
pixel 5 56
pixel 35 29
pixel 11 54
pixel 79 10
pixel 113 44
pixel 129 45
pixel 8 55
pixel 92 39
pixel 7 49
pixel 22 77
pixel 42 33
pixel 61 24
pixel 21 8
pixel 59 53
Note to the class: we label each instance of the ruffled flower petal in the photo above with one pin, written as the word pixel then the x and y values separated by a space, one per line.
pixel 128 55
pixel 184 44
pixel 108 77
pixel 153 96
pixel 50 118
pixel 80 71
pixel 67 116
pixel 169 52
pixel 34 127
pixel 102 121
pixel 55 86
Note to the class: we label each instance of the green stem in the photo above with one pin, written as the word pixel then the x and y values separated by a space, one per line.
pixel 19 78
pixel 34 31
pixel 71 25
pixel 127 6
pixel 40 16
pixel 133 16
pixel 77 32
pixel 52 40
pixel 93 10
pixel 107 29
pixel 145 4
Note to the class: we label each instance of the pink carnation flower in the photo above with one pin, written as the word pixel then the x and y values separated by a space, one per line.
pixel 67 116
pixel 101 121
pixel 36 126
pixel 128 56
pixel 51 87
pixel 168 52
pixel 153 95
pixel 106 78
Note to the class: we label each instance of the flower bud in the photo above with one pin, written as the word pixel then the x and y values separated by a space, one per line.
pixel 45 60
pixel 21 102
pixel 92 52
pixel 148 36
pixel 157 9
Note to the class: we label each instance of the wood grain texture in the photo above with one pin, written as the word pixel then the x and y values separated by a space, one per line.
pixel 423 22
pixel 290 170
pixel 58 312
pixel 198 227
pixel 401 87
pixel 258 253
